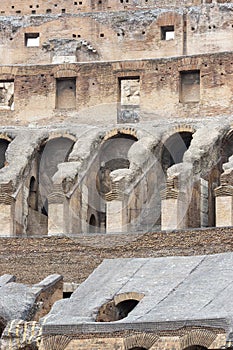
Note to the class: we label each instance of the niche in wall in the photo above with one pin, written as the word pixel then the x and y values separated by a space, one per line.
pixel 66 93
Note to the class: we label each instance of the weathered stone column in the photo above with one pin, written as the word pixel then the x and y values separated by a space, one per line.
pixel 116 220
pixel 173 208
pixel 7 219
pixel 56 215
pixel 115 216
pixel 224 205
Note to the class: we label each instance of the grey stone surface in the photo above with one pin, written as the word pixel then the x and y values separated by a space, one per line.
pixel 19 301
pixel 177 291
pixel 16 302
pixel 48 282
pixel 4 279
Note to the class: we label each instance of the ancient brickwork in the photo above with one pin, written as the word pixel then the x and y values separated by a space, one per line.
pixel 63 255
pixel 38 90
pixel 40 7
pixel 116 117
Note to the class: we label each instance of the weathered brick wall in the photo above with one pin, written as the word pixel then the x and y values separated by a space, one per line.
pixel 26 7
pixel 167 340
pixel 97 89
pixel 40 7
pixel 103 35
pixel 32 259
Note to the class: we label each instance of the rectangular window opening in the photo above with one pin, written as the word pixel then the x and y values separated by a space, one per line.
pixel 167 33
pixel 129 91
pixel 190 86
pixel 129 99
pixel 66 93
pixel 32 39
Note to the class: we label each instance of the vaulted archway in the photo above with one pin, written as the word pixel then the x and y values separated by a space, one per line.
pixel 112 155
pixel 174 148
pixel 45 164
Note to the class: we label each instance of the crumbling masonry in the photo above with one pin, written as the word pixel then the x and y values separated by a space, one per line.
pixel 116 117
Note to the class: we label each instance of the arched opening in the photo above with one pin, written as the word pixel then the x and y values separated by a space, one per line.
pixel 54 152
pixel 112 155
pixel 195 347
pixel 125 307
pixel 114 311
pixel 32 198
pixel 214 176
pixel 51 153
pixel 174 148
pixel 3 147
pixel 227 147
pixel 92 224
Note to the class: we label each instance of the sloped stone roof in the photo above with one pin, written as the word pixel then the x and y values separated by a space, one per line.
pixel 178 292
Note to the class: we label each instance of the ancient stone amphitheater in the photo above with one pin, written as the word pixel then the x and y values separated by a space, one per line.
pixel 116 174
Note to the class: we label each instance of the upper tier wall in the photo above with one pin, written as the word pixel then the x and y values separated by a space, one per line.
pixel 104 36
pixel 26 7
pixel 119 91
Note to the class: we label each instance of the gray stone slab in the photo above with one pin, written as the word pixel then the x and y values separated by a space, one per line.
pixel 4 279
pixel 16 301
pixel 177 290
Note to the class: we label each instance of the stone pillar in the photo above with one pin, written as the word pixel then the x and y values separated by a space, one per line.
pixel 204 204
pixel 115 216
pixel 56 215
pixel 7 217
pixel 6 226
pixel 173 210
pixel 224 205
pixel 84 209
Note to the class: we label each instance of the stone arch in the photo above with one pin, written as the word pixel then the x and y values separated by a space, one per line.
pixel 32 197
pixel 66 72
pixel 56 135
pixel 112 155
pixel 56 342
pixel 120 131
pixel 201 339
pixel 119 307
pixel 52 151
pixel 178 128
pixel 225 151
pixel 174 147
pixel 227 146
pixel 128 296
pixel 140 341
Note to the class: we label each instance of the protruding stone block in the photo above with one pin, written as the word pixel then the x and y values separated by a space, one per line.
pixel 173 214
pixel 115 222
pixel 6 225
pixel 224 212
pixel 56 219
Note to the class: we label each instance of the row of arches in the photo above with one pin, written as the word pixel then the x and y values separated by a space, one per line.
pixel 115 154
